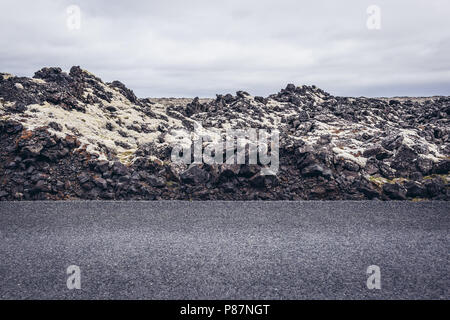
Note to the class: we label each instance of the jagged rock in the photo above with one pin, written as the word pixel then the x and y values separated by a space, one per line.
pixel 59 185
pixel 10 126
pixel 154 181
pixel 129 94
pixel 394 191
pixel 55 126
pixel 18 107
pixel 41 186
pixel 101 183
pixel 442 167
pixel 303 116
pixel 414 189
pixel 434 187
pixel 111 108
pixel 258 181
pixel 242 94
pixel 50 74
pixel 194 175
pixel 249 170
pixel 324 139
pixel 404 158
pixel 228 187
pixel 315 170
pixel 424 165
pixel 83 178
pixel 193 107
pixel 290 87
pixel 261 100
pixel 392 142
pixel 33 150
pixel 88 186
pixel 229 170
pixel 378 151
pixel 119 169
pixel 368 189
pixel 351 166
pixel 11 165
pixel 102 166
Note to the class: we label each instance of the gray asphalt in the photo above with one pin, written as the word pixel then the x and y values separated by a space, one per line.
pixel 224 250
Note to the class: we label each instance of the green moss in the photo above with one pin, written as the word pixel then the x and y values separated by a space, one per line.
pixel 378 180
pixel 381 180
pixel 125 156
pixel 444 177
pixel 170 184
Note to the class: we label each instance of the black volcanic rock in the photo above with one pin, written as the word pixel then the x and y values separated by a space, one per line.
pixel 128 93
pixel 70 136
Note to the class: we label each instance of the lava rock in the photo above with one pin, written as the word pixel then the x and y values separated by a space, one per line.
pixel 119 169
pixel 415 189
pixel 55 126
pixel 394 191
pixel 392 142
pixel 434 186
pixel 155 181
pixel 194 175
pixel 404 158
pixel 229 171
pixel 32 150
pixel 369 190
pixel 315 170
pixel 101 183
pixel 424 165
pixel 249 170
pixel 83 178
pixel 41 186
pixel 442 167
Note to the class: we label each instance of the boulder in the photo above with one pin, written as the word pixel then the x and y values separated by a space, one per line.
pixel 424 165
pixel 228 170
pixel 392 142
pixel 194 175
pixel 415 189
pixel 404 159
pixel 83 178
pixel 315 170
pixel 32 150
pixel 101 183
pixel 394 191
pixel 155 181
pixel 434 186
pixel 119 169
pixel 442 167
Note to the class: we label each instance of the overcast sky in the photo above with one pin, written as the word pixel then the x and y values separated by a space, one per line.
pixel 200 48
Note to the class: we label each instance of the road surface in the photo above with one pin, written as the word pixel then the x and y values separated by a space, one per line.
pixel 224 250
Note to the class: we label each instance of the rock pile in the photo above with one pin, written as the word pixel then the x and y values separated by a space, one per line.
pixel 72 136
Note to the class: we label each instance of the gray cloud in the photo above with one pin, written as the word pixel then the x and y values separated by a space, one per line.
pixel 189 48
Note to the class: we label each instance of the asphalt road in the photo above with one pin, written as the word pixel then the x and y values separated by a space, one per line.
pixel 224 250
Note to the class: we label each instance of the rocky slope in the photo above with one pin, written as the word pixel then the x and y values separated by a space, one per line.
pixel 72 136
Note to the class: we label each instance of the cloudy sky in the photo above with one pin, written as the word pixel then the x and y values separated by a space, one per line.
pixel 200 48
